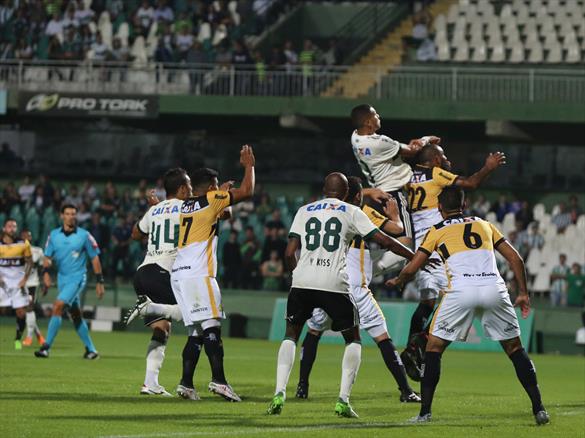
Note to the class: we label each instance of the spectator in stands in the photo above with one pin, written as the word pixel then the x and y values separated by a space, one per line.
pixel 162 52
pixel 244 209
pixel 144 17
pixel 276 59
pixel 251 256
pixel 83 15
pixel 307 58
pixel 73 197
pixel 38 199
pixel 159 190
pixel 10 196
pixel 119 52
pixel 562 219
pixel 99 49
pixel 26 191
pixel 89 192
pixel 71 49
pixel 6 12
pixel 163 12
pixel 420 30
pixel 501 208
pixel 100 231
pixel 427 51
pixel 55 26
pixel 69 21
pixel 291 57
pixel 234 223
pixel 524 215
pixel 232 261
pixel 275 221
pixel 481 207
pixel 110 201
pixel 260 78
pixel 575 286
pixel 87 38
pixel 272 272
pixel 183 42
pixel 83 216
pixel 558 278
pixel 55 52
pixel 273 242
pixel 47 190
pixel 121 238
pixel 115 8
pixel 530 238
pixel 575 209
pixel 332 56
pixel 23 50
pixel 264 208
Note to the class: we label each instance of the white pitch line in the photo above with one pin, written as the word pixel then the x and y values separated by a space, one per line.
pixel 254 431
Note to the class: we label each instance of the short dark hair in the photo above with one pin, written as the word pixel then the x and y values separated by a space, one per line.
pixel 452 198
pixel 203 176
pixel 355 186
pixel 360 114
pixel 9 219
pixel 66 206
pixel 174 179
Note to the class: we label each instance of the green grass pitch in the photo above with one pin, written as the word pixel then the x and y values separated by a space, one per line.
pixel 66 396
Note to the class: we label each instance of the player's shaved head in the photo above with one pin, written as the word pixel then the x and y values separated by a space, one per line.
pixel 429 153
pixel 451 199
pixel 336 186
pixel 360 114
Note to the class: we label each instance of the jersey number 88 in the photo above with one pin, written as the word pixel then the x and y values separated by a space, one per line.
pixel 331 237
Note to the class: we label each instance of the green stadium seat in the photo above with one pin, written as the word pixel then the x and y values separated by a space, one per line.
pixel 16 214
pixel 33 223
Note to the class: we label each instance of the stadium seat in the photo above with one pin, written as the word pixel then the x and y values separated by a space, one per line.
pixel 105 28
pixel 138 50
pixel 462 52
pixel 550 41
pixel 522 15
pixel 479 53
pixel 538 211
pixel 517 54
pixel 536 55
pixel 123 33
pixel 498 54
pixel 453 14
pixel 555 54
pixel 204 32
pixel 443 52
pixel 440 23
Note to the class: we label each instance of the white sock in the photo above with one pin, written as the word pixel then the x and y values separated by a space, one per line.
pixel 31 324
pixel 350 365
pixel 286 360
pixel 170 311
pixel 154 361
pixel 388 262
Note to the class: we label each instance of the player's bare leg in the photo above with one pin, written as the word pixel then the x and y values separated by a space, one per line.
pixel 526 373
pixel 350 365
pixel 432 372
pixel 286 359
pixel 32 327
pixel 308 356
pixel 155 355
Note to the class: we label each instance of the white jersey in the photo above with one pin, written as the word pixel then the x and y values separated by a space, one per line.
pixel 37 258
pixel 326 229
pixel 380 161
pixel 161 223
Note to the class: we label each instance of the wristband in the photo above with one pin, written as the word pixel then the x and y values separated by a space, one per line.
pixel 99 278
pixel 45 271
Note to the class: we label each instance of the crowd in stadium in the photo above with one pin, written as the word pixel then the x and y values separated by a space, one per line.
pixel 252 243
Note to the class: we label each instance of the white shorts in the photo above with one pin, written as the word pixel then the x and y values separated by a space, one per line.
pixel 14 297
pixel 431 283
pixel 371 317
pixel 199 299
pixel 454 315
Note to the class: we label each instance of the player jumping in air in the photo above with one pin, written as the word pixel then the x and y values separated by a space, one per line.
pixel 381 161
pixel 70 247
pixel 323 231
pixel 466 245
pixel 32 285
pixel 153 277
pixel 15 268
pixel 194 272
pixel 430 176
pixel 359 271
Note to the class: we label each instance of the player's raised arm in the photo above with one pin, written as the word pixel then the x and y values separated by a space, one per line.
pixel 394 225
pixel 418 261
pixel 492 162
pixel 517 265
pixel 391 244
pixel 411 149
pixel 246 189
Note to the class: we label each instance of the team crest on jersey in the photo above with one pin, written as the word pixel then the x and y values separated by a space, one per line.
pixel 169 209
pixel 326 206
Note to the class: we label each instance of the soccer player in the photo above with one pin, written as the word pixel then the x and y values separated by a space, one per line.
pixel 15 268
pixel 153 277
pixel 32 286
pixel 322 231
pixel 195 268
pixel 70 247
pixel 430 176
pixel 359 271
pixel 381 161
pixel 467 246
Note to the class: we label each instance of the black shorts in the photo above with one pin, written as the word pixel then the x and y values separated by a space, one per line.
pixel 403 211
pixel 339 307
pixel 154 282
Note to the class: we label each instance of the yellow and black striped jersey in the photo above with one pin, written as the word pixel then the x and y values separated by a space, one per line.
pixel 359 261
pixel 12 261
pixel 197 251
pixel 466 245
pixel 424 189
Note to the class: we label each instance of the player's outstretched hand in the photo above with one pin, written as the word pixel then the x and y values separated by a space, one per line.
pixel 495 160
pixel 523 301
pixel 227 185
pixel 431 139
pixel 393 282
pixel 377 195
pixel 391 209
pixel 46 283
pixel 247 158
pixel 151 198
pixel 100 290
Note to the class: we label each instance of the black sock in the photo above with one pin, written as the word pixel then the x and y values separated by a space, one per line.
pixel 419 318
pixel 527 375
pixel 431 374
pixel 394 364
pixel 20 325
pixel 308 355
pixel 214 351
pixel 191 353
